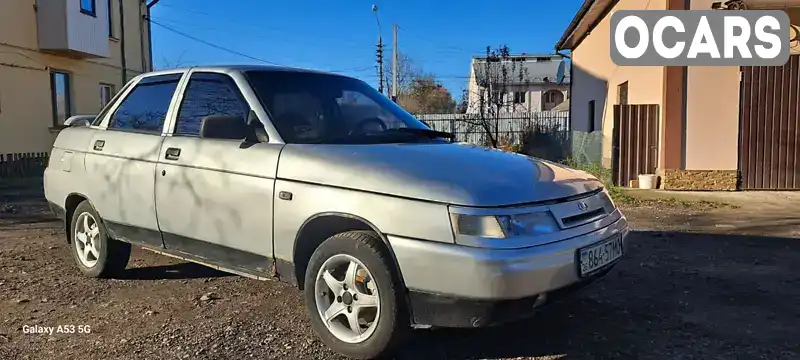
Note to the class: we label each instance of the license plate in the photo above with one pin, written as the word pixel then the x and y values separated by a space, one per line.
pixel 594 257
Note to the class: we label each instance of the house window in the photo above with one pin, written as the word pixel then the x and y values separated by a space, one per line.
pixel 110 20
pixel 591 116
pixel 106 92
pixel 622 93
pixel 519 97
pixel 60 97
pixel 89 7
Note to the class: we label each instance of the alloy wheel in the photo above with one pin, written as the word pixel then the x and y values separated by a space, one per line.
pixel 347 298
pixel 87 239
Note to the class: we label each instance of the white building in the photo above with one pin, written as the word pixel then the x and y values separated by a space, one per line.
pixel 530 82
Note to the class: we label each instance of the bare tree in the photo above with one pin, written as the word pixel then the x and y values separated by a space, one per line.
pixel 407 72
pixel 168 64
pixel 496 75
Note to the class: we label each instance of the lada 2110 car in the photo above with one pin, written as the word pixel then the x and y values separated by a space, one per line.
pixel 319 180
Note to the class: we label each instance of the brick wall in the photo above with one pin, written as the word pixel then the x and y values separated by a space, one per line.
pixel 700 180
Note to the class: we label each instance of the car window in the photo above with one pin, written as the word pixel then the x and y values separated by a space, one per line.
pixel 308 107
pixel 145 108
pixel 209 94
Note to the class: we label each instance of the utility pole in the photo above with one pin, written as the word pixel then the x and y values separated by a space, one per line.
pixel 394 66
pixel 380 65
pixel 379 49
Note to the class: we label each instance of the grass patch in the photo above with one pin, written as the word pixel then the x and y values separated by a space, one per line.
pixel 621 198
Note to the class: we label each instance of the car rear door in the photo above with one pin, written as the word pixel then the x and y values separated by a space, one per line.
pixel 214 196
pixel 122 156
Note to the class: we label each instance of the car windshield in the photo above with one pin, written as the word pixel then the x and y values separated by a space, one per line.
pixel 315 108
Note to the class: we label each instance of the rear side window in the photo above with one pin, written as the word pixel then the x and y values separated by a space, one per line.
pixel 145 108
pixel 209 94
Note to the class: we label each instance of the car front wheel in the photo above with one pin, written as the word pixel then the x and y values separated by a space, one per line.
pixel 353 298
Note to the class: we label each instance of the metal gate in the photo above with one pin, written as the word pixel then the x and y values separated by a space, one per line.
pixel 635 142
pixel 769 148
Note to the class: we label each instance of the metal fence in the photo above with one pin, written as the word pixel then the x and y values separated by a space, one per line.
pixel 511 128
pixel 21 165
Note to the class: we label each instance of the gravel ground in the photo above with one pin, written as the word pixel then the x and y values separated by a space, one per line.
pixel 695 284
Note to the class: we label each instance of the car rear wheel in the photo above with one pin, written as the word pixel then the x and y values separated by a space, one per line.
pixel 353 297
pixel 95 253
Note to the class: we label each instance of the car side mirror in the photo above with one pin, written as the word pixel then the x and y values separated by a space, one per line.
pixel 255 132
pixel 79 120
pixel 223 127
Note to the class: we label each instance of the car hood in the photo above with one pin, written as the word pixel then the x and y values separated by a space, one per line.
pixel 449 173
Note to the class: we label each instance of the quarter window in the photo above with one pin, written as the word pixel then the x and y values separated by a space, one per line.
pixel 145 108
pixel 89 7
pixel 209 94
pixel 60 97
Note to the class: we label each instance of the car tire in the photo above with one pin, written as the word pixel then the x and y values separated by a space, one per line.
pixel 106 257
pixel 391 324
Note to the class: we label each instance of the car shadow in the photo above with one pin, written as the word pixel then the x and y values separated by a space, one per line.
pixel 675 295
pixel 182 271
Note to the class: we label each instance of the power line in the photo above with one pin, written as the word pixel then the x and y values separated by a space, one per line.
pixel 212 44
pixel 452 48
pixel 366 68
pixel 238 21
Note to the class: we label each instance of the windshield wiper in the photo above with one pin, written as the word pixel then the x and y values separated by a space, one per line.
pixel 433 134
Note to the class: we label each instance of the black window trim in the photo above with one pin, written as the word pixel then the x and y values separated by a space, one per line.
pixel 92 12
pixel 54 95
pixel 125 93
pixel 179 105
pixel 110 20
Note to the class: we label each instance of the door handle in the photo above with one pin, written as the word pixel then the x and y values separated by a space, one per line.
pixel 173 154
pixel 98 145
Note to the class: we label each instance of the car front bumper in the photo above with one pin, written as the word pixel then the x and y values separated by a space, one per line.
pixel 459 286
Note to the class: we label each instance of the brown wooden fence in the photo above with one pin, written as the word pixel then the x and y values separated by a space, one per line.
pixel 22 165
pixel 635 142
pixel 769 155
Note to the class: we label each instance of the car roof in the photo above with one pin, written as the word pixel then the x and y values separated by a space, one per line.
pixel 236 68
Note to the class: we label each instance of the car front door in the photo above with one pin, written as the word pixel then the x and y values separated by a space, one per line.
pixel 122 156
pixel 214 196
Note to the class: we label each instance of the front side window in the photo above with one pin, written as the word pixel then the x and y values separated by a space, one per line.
pixel 145 108
pixel 60 97
pixel 209 94
pixel 88 7
pixel 314 108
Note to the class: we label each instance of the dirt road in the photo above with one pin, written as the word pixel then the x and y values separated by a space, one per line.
pixel 697 290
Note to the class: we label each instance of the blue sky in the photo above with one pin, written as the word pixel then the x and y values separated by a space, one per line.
pixel 340 35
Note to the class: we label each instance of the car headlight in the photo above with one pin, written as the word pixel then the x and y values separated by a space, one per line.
pixel 504 226
pixel 608 200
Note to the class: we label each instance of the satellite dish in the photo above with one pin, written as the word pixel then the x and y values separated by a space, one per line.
pixel 562 72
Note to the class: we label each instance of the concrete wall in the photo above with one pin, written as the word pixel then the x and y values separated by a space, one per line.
pixel 596 77
pixel 26 118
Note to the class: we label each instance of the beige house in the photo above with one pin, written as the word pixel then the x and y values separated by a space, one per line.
pixel 531 83
pixel 698 127
pixel 64 57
